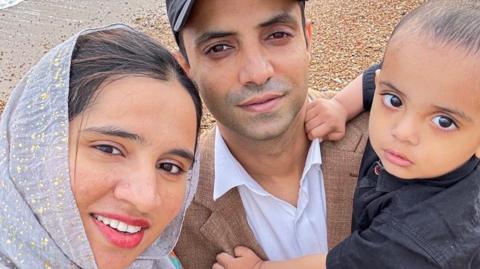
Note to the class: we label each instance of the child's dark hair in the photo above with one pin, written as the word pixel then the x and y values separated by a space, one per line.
pixel 103 55
pixel 450 22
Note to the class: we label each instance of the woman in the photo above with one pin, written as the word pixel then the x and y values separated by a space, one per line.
pixel 97 155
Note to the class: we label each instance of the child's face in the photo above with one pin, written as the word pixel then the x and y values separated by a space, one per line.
pixel 425 118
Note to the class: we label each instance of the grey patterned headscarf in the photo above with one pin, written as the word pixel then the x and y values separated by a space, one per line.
pixel 40 226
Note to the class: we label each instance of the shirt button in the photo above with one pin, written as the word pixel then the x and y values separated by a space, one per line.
pixel 377 169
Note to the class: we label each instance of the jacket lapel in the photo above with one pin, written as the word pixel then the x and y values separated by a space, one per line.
pixel 340 167
pixel 227 226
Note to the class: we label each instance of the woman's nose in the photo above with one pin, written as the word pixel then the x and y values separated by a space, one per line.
pixel 139 187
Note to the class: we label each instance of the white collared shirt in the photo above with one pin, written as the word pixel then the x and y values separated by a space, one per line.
pixel 282 230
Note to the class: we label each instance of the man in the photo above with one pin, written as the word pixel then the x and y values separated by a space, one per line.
pixel 262 183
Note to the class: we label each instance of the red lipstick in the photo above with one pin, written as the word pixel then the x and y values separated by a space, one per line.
pixel 118 238
pixel 128 220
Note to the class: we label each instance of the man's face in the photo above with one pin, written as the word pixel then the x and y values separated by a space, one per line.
pixel 250 60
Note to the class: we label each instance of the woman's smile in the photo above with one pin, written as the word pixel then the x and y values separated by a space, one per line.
pixel 122 231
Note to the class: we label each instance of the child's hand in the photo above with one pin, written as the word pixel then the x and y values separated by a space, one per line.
pixel 244 258
pixel 325 119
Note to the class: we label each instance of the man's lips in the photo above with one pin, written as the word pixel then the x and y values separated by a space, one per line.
pixel 263 103
pixel 397 158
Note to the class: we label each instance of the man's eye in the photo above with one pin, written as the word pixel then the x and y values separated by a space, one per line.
pixel 444 123
pixel 108 149
pixel 170 168
pixel 279 35
pixel 218 48
pixel 391 100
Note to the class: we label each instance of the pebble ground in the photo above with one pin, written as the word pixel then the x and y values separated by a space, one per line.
pixel 349 35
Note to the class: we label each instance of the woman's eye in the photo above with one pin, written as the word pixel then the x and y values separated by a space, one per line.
pixel 108 149
pixel 444 123
pixel 391 100
pixel 170 168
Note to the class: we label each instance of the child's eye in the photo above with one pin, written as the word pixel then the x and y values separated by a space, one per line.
pixel 391 100
pixel 108 149
pixel 444 123
pixel 170 168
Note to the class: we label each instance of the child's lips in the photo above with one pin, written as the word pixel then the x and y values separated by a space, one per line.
pixel 397 158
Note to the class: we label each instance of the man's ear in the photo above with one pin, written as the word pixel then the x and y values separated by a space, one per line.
pixel 182 61
pixel 309 34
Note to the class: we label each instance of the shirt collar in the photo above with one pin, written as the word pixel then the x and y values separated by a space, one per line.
pixel 314 157
pixel 229 173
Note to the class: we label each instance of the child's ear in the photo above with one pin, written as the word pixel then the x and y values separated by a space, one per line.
pixel 377 79
pixel 182 62
pixel 477 153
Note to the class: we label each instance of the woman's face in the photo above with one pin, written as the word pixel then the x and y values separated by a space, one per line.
pixel 129 154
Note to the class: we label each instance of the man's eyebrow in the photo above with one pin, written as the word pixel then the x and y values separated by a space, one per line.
pixel 453 111
pixel 211 35
pixel 115 131
pixel 184 153
pixel 280 18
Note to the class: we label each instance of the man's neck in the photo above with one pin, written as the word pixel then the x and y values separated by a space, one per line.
pixel 277 164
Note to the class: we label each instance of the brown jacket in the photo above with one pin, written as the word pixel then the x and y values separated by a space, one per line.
pixel 212 227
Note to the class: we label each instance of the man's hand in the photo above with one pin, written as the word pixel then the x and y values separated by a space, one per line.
pixel 244 258
pixel 325 119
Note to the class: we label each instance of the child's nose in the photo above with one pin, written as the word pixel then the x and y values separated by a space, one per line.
pixel 406 130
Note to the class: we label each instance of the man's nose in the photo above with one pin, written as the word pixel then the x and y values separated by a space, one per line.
pixel 139 187
pixel 256 67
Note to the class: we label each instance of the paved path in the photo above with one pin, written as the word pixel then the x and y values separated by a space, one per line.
pixel 32 27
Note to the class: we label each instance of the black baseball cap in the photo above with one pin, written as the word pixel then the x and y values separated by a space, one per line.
pixel 178 12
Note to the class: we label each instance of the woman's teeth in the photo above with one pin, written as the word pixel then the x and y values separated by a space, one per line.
pixel 118 225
